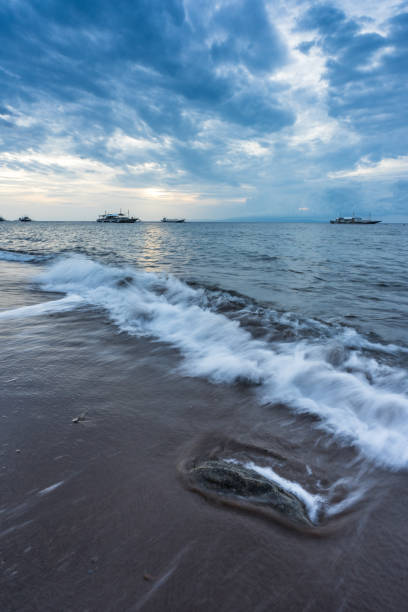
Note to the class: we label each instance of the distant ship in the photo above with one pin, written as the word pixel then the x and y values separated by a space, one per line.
pixel 353 221
pixel 119 217
pixel 166 220
pixel 24 219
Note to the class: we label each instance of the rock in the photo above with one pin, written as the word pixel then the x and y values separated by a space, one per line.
pixel 234 480
pixel 125 282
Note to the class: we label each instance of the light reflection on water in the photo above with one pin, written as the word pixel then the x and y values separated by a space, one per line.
pixel 349 274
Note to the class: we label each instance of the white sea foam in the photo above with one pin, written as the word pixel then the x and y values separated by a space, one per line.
pixel 353 339
pixel 50 488
pixel 63 305
pixel 363 403
pixel 353 497
pixel 313 503
pixel 316 505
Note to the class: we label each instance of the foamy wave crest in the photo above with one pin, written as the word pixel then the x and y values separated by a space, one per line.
pixel 53 306
pixel 355 340
pixel 369 412
pixel 16 256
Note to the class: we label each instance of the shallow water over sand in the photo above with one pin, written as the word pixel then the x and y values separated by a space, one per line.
pixel 96 513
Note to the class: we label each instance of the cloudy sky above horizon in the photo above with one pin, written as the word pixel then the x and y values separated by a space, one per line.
pixel 203 108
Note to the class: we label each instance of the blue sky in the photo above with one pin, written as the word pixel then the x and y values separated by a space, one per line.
pixel 203 108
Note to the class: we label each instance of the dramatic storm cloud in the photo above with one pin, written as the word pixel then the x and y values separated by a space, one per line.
pixel 203 108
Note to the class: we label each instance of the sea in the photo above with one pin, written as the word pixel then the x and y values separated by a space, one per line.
pixel 130 351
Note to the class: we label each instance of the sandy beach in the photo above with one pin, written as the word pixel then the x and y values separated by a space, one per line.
pixel 95 515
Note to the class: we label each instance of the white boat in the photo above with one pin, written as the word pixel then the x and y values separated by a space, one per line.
pixel 119 217
pixel 175 220
pixel 24 219
pixel 353 221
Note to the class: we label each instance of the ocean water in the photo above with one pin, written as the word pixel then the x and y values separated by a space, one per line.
pixel 283 347
pixel 337 274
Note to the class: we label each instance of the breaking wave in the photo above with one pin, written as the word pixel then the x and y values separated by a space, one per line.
pixel 53 306
pixel 20 257
pixel 357 398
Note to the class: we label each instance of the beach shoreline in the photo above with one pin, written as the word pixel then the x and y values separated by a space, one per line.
pixel 95 515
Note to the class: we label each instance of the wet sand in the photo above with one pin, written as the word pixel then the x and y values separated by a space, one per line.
pixel 121 531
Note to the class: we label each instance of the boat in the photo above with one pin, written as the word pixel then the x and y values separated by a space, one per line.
pixel 175 220
pixel 24 219
pixel 119 217
pixel 353 221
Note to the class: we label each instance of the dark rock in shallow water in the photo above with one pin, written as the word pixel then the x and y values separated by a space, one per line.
pixel 236 481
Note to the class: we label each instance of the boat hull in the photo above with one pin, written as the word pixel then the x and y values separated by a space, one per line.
pixel 365 222
pixel 122 221
pixel 117 218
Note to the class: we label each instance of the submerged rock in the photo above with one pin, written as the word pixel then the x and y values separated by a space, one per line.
pixel 229 479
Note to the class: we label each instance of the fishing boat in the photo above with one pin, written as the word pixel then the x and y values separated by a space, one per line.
pixel 24 219
pixel 119 217
pixel 175 220
pixel 353 221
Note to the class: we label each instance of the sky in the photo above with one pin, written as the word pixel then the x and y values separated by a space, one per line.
pixel 206 109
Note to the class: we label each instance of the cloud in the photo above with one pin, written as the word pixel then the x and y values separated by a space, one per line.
pixel 365 71
pixel 198 98
pixel 149 52
pixel 385 169
pixel 135 84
